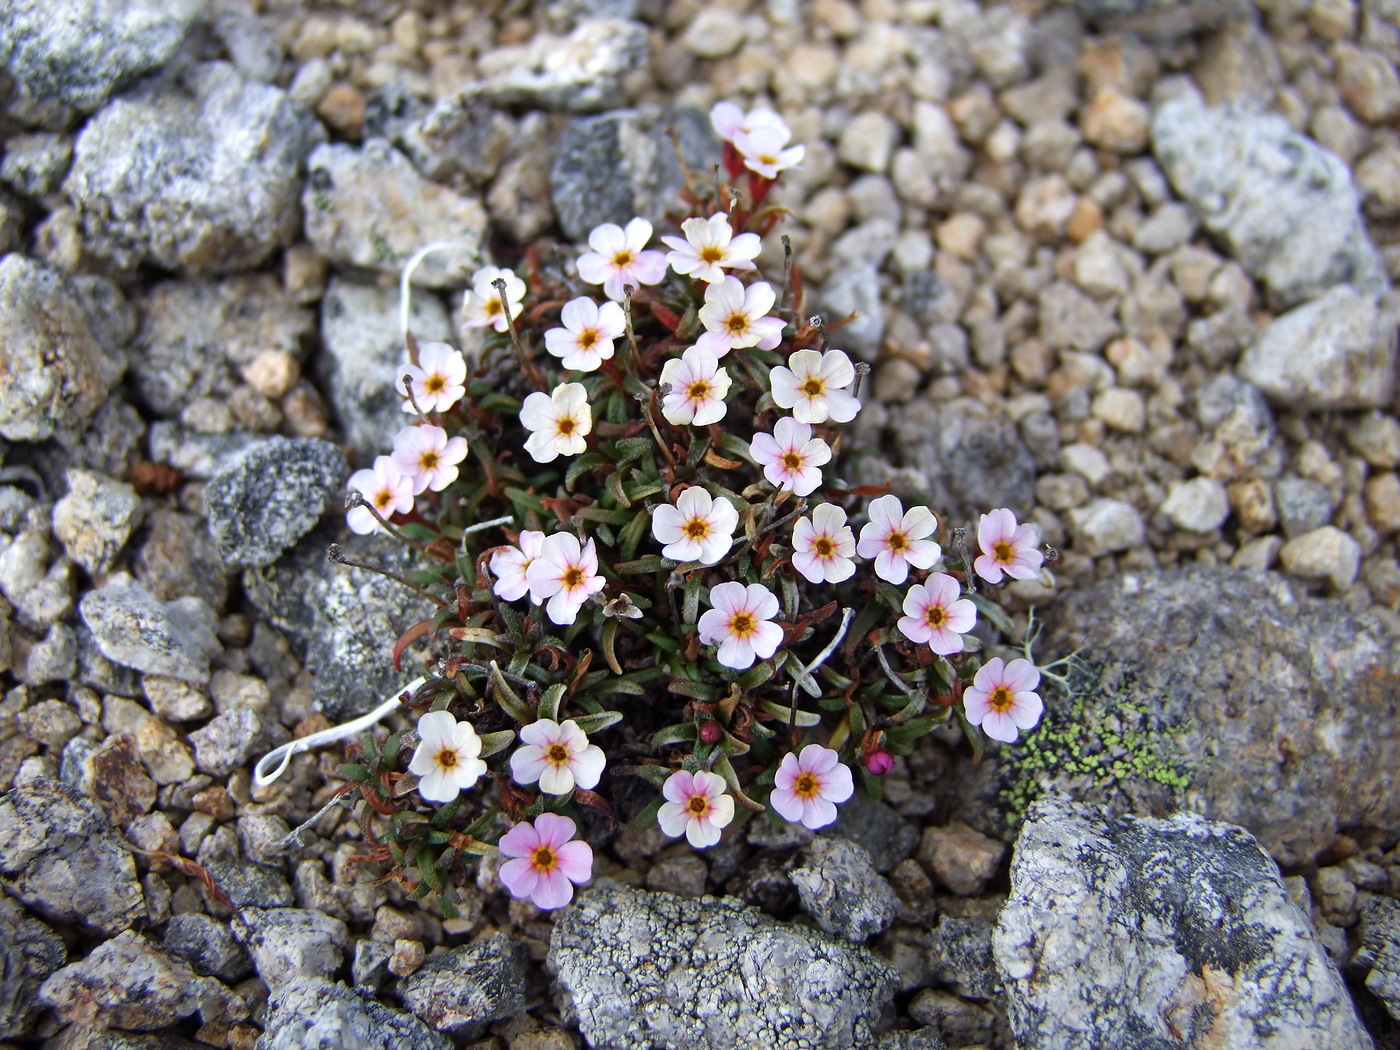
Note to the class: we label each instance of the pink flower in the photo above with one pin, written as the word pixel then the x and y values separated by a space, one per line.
pixel 763 150
pixel 736 316
pixel 437 379
pixel 1000 698
pixel 814 386
pixel 558 756
pixel 586 340
pixel 696 806
pixel 729 121
pixel 618 258
pixel 446 759
pixel 545 865
pixel 741 624
pixel 387 490
pixel 558 422
pixel 509 566
pixel 935 612
pixel 698 528
pixel 822 547
pixel 896 539
pixel 565 574
pixel 428 457
pixel 791 458
pixel 709 247
pixel 1007 548
pixel 808 786
pixel 481 307
pixel 698 387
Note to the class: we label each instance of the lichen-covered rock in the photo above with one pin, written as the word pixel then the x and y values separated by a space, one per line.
pixel 129 983
pixel 840 888
pixel 642 969
pixel 1379 952
pixel 463 989
pixel 368 207
pixel 80 51
pixel 207 945
pixel 206 180
pixel 136 629
pixel 262 503
pixel 54 371
pixel 1285 207
pixel 29 952
pixel 1180 676
pixel 95 519
pixel 313 1012
pixel 290 943
pixel 1190 915
pixel 579 72
pixel 60 856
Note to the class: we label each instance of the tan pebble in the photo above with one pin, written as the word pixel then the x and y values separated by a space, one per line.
pixel 343 108
pixel 1115 121
pixel 272 373
pixel 1253 501
pixel 962 235
pixel 1383 502
pixel 1085 221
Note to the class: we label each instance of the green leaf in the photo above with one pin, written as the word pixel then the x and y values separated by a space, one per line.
pixel 916 727
pixel 785 714
pixel 650 563
pixel 993 612
pixel 632 448
pixel 603 514
pixel 647 817
pixel 690 605
pixel 498 402
pixel 683 732
pixel 581 466
pixel 614 487
pixel 756 675
pixel 525 501
pixel 694 690
pixel 508 698
pixel 446 813
pixel 549 702
pixel 625 686
pixel 591 724
pixel 632 535
pixel 494 743
pixel 696 453
pixel 735 447
pixel 354 771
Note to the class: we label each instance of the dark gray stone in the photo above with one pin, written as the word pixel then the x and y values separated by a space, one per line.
pixel 207 945
pixel 206 180
pixel 638 969
pixel 874 826
pixel 1378 955
pixel 313 1012
pixel 251 885
pixel 615 166
pixel 262 503
pixel 840 888
pixel 288 944
pixel 29 952
pixel 1302 504
pixel 960 954
pixel 463 989
pixel 136 629
pixel 1191 915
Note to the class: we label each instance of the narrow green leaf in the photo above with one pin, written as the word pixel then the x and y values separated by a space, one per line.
pixel 591 724
pixel 494 743
pixel 683 732
pixel 647 817
pixel 508 698
pixel 581 466
pixel 549 702
pixel 993 612
pixel 785 715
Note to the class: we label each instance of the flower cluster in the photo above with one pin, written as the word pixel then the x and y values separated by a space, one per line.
pixel 653 520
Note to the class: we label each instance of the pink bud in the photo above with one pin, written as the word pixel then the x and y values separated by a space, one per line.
pixel 710 732
pixel 878 763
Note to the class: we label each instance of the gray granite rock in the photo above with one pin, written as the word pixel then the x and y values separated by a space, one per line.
pixel 54 371
pixel 1179 676
pixel 29 952
pixel 960 955
pixel 464 135
pixel 291 943
pixel 207 945
pixel 262 503
pixel 1337 351
pixel 227 741
pixel 1284 207
pixel 368 207
pixel 314 1012
pixel 175 556
pixel 465 988
pixel 81 51
pixel 136 629
pixel 615 166
pixel 1301 504
pixel 35 164
pixel 61 858
pixel 1378 954
pixel 840 888
pixel 854 292
pixel 129 983
pixel 638 969
pixel 95 519
pixel 204 180
pixel 580 72
pixel 363 351
pixel 1190 914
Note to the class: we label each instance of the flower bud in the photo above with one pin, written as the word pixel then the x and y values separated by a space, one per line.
pixel 878 762
pixel 711 732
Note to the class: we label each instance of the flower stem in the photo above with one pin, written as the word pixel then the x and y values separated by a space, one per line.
pixel 337 554
pixel 529 366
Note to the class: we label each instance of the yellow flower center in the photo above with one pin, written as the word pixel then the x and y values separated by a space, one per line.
pixel 573 577
pixel 935 616
pixel 698 804
pixel 805 785
pixel 623 258
pixel 813 387
pixel 897 541
pixel 383 500
pixel 435 383
pixel 544 858
pixel 567 425
pixel 699 390
pixel 697 528
pixel 792 460
pixel 1003 552
pixel 711 254
pixel 823 547
pixel 738 324
pixel 558 753
pixel 1001 699
pixel 429 460
pixel 587 338
pixel 447 758
pixel 742 624
pixel 493 307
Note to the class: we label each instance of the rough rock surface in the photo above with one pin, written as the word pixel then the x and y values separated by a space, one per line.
pixel 136 629
pixel 289 943
pixel 368 207
pixel 95 519
pixel 204 181
pixel 60 857
pixel 314 1012
pixel 1181 675
pixel 1190 914
pixel 261 504
pixel 579 72
pixel 840 888
pixel 80 51
pixel 207 945
pixel 463 989
pixel 1284 206
pixel 639 969
pixel 54 371
pixel 29 952
pixel 1379 953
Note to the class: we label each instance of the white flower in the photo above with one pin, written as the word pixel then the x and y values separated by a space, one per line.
pixel 565 574
pixel 814 386
pixel 896 539
pixel 428 457
pixel 936 612
pixel 387 490
pixel 618 258
pixel 698 386
pixel 698 528
pixel 763 152
pixel 558 756
pixel 586 340
pixel 736 316
pixel 791 458
pixel 557 422
pixel 482 305
pixel 709 247
pixel 509 565
pixel 741 624
pixel 696 806
pixel 446 760
pixel 822 547
pixel 729 121
pixel 437 379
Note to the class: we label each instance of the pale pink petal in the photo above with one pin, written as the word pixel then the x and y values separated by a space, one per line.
pixel 554 829
pixel 520 841
pixel 575 860
pixel 588 766
pixel 527 764
pixel 554 890
pixel 1027 710
pixel 701 833
pixel 962 616
pixel 786 802
pixel 556 780
pixel 729 597
pixel 679 786
pixel 594 268
pixel 1021 675
pixel 519 876
pixel 767 637
pixel 999 726
pixel 787 388
pixel 891 567
pixel 988 568
pixel 673 818
pixel 608 239
pixel 817 812
pixel 736 653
